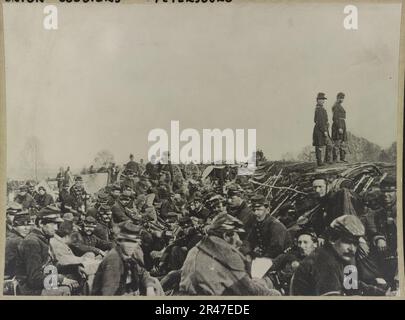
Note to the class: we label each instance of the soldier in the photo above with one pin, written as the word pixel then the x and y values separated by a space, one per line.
pixel 20 228
pixel 65 198
pixel 43 198
pixel 79 195
pixel 323 271
pixel 122 272
pixel 151 169
pixel 12 209
pixel 339 135
pixel 215 204
pixel 86 241
pixel 115 192
pixel 103 199
pixel 132 165
pixel 34 256
pixel 112 173
pixel 197 209
pixel 268 236
pixel 381 230
pixel 166 206
pixel 104 228
pixel 128 179
pixel 68 179
pixel 31 189
pixel 60 178
pixel 285 264
pixel 24 198
pixel 320 136
pixel 239 209
pixel 319 219
pixel 64 255
pixel 121 207
pixel 142 166
pixel 186 237
pixel 216 267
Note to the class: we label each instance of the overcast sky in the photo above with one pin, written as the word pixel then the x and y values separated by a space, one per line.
pixel 110 74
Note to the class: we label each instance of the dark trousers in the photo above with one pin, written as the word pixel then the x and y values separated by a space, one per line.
pixel 339 148
pixel 323 154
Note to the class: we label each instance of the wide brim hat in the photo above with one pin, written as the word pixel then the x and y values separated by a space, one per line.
pixel 129 232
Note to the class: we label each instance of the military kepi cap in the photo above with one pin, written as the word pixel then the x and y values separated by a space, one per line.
pixel 22 219
pixel 321 96
pixel 14 208
pixel 258 201
pixel 90 221
pixel 235 192
pixel 50 214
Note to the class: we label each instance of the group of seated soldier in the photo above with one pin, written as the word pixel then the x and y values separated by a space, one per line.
pixel 142 235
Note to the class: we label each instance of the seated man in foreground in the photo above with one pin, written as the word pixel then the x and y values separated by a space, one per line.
pixel 216 267
pixel 122 270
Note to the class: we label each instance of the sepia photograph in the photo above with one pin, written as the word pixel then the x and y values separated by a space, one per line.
pixel 202 148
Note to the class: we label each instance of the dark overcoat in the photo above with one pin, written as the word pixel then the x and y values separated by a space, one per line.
pixel 321 126
pixel 339 122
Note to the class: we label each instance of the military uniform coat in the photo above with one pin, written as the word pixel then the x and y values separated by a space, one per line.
pixel 43 200
pixel 33 256
pixel 104 232
pixel 321 273
pixel 82 243
pixel 27 201
pixel 118 275
pixel 118 213
pixel 339 122
pixel 245 215
pixel 270 235
pixel 13 240
pixel 215 268
pixel 77 194
pixel 381 224
pixel 321 126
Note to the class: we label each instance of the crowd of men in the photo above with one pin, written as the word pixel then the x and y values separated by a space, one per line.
pixel 147 234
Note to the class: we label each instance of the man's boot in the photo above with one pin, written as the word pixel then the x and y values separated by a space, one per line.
pixel 318 154
pixel 335 151
pixel 343 155
pixel 328 153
